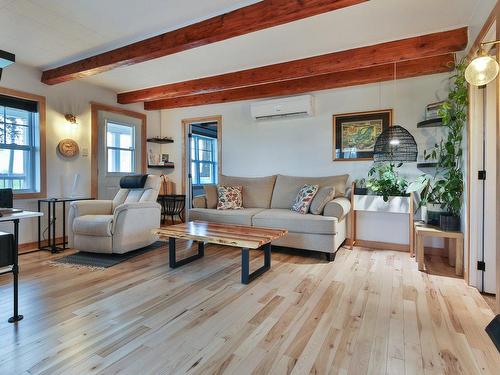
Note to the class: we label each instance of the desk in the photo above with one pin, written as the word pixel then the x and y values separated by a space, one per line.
pixel 15 266
pixel 51 222
pixel 423 230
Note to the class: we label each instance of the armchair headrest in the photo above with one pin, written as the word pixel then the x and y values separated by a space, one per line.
pixel 133 182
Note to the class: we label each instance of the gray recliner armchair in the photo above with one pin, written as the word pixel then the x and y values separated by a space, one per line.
pixel 119 225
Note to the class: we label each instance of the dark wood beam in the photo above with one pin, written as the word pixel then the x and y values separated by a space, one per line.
pixel 400 50
pixel 255 17
pixel 379 73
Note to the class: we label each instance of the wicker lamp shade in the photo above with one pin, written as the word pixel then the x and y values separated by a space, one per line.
pixel 395 144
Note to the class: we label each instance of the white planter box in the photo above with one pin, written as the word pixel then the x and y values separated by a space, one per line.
pixel 375 203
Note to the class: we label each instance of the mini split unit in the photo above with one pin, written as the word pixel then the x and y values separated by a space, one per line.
pixel 294 106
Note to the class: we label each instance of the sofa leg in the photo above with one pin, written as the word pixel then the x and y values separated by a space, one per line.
pixel 330 256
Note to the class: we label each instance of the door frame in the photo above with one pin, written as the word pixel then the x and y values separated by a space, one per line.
pixel 185 124
pixel 94 154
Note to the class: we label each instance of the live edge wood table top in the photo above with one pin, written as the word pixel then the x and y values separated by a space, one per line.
pixel 222 234
pixel 242 236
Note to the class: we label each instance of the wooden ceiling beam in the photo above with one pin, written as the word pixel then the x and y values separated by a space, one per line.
pixel 400 50
pixel 254 17
pixel 379 73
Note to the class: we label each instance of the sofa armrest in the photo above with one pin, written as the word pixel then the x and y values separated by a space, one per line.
pixel 200 201
pixel 91 207
pixel 339 208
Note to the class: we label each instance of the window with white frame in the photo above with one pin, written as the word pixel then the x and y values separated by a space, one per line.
pixel 203 160
pixel 19 145
pixel 120 148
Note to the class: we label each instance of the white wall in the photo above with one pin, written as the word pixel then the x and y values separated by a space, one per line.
pixel 72 97
pixel 303 147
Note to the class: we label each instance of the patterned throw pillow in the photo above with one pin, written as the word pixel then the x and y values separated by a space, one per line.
pixel 304 198
pixel 229 197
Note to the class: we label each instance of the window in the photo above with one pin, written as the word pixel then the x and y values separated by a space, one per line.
pixel 203 160
pixel 20 145
pixel 120 148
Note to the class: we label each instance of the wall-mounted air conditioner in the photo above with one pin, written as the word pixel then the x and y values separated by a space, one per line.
pixel 294 106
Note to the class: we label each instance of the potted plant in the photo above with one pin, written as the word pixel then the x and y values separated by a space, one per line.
pixel 360 187
pixel 429 201
pixel 447 185
pixel 384 180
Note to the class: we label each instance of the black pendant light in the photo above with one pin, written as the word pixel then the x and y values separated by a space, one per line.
pixel 395 144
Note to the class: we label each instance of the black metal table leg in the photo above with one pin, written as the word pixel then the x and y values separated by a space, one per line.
pixel 54 246
pixel 177 263
pixel 15 270
pixel 246 276
pixel 49 228
pixel 64 225
pixel 39 226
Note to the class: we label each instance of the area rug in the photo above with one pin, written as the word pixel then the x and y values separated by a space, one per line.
pixel 95 261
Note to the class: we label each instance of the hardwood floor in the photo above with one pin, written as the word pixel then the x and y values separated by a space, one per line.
pixel 369 312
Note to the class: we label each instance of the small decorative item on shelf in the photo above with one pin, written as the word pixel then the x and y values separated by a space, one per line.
pixel 164 159
pixel 432 110
pixel 360 187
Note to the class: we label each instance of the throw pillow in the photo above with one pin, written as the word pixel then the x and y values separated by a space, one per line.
pixel 322 197
pixel 229 197
pixel 211 195
pixel 304 198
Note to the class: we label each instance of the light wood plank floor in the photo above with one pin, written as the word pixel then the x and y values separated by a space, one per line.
pixel 369 312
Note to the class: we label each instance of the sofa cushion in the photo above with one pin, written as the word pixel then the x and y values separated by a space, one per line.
pixel 211 195
pixel 229 198
pixel 257 191
pixel 242 217
pixel 93 225
pixel 322 197
pixel 304 198
pixel 287 188
pixel 295 222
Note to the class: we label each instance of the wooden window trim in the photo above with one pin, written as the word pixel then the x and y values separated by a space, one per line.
pixel 94 109
pixel 43 150
pixel 185 123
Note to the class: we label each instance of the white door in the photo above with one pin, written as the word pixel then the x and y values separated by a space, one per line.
pixel 119 151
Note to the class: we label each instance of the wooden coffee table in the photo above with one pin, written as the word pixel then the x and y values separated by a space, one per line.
pixel 242 236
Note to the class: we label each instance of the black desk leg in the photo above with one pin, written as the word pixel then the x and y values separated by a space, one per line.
pixel 177 263
pixel 64 225
pixel 49 228
pixel 15 270
pixel 246 276
pixel 39 228
pixel 54 246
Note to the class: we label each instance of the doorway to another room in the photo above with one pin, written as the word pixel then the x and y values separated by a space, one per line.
pixel 202 154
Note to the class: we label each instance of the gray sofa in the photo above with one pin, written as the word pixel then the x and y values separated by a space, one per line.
pixel 267 202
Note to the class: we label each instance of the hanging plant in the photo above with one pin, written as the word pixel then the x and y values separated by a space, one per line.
pixel 446 187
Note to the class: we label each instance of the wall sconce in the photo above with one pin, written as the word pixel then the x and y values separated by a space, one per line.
pixel 71 119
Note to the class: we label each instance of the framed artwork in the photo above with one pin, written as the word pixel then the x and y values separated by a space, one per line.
pixel 354 134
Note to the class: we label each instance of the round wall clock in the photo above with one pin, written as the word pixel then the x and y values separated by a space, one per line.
pixel 68 148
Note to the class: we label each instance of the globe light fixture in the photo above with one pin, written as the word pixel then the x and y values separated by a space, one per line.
pixel 483 69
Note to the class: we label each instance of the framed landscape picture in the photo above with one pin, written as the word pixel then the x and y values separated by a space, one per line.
pixel 354 134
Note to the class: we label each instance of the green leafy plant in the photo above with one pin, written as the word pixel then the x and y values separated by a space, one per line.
pixel 446 187
pixel 384 180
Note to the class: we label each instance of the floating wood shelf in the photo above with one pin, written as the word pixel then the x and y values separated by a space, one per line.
pixel 431 123
pixel 160 140
pixel 167 165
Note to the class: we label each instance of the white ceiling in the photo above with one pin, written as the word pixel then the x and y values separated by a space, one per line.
pixel 48 33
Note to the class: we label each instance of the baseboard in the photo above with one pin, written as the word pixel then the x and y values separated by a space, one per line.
pixel 376 245
pixel 30 246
